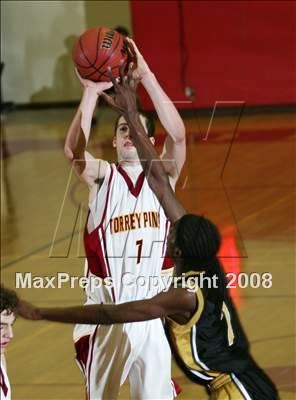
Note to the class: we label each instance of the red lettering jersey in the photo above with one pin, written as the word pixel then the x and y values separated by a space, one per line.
pixel 128 244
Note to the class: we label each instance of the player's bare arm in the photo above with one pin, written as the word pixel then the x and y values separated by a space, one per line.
pixel 176 302
pixel 174 151
pixel 125 102
pixel 85 165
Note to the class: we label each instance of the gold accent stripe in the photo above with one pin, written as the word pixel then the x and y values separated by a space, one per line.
pixel 230 333
pixel 179 329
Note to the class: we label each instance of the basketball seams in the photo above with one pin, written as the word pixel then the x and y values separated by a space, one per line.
pixel 98 69
pixel 82 50
pixel 105 72
pixel 97 45
pixel 107 59
pixel 91 64
pixel 91 71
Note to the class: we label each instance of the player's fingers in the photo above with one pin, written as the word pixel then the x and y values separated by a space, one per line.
pixel 121 71
pixel 78 75
pixel 102 86
pixel 131 49
pixel 133 46
pixel 130 73
pixel 136 83
pixel 112 78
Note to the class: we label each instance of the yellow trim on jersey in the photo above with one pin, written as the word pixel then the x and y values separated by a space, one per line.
pixel 195 317
pixel 230 333
pixel 193 273
pixel 181 335
pixel 168 271
pixel 200 306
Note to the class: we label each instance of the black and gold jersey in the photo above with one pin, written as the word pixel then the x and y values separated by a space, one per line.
pixel 213 341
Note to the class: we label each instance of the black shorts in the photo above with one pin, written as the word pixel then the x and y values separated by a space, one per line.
pixel 257 384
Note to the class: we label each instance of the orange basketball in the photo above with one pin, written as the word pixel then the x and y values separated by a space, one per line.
pixel 96 50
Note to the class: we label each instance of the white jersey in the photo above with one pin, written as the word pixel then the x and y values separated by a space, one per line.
pixel 5 391
pixel 127 247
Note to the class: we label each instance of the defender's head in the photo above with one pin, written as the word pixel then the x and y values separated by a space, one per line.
pixel 8 305
pixel 194 240
pixel 122 141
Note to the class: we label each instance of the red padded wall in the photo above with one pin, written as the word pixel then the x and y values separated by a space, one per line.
pixel 235 51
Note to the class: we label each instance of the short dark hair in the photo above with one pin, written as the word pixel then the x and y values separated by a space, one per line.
pixel 122 30
pixel 149 122
pixel 8 300
pixel 198 239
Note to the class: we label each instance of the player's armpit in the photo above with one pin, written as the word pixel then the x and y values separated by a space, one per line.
pixel 94 170
pixel 176 301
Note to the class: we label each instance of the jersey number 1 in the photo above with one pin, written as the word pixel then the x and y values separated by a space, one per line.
pixel 139 243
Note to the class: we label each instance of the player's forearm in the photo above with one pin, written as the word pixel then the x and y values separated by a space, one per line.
pixel 79 131
pixel 154 170
pixel 147 153
pixel 90 314
pixel 166 110
pixel 97 314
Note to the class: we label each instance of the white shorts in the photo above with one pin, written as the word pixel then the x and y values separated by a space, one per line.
pixel 108 354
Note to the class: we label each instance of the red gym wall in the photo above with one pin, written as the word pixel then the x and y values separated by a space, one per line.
pixel 224 50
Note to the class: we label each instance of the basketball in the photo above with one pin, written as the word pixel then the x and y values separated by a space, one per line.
pixel 96 50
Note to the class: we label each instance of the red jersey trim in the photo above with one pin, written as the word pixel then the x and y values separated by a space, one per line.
pixel 90 362
pixel 107 262
pixel 3 386
pixel 82 352
pixel 168 262
pixel 134 189
pixel 92 243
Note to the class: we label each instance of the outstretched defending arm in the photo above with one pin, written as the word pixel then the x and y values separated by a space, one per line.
pixel 85 165
pixel 125 102
pixel 175 301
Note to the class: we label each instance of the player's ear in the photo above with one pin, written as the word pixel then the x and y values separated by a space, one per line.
pixel 114 141
pixel 152 140
pixel 177 252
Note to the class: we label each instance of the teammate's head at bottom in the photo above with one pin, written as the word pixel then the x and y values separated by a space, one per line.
pixel 8 305
pixel 122 140
pixel 193 242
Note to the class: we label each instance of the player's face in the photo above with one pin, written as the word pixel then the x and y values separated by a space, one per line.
pixel 172 249
pixel 126 150
pixel 7 320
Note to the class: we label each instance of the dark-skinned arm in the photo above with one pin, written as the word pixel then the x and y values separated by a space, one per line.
pixel 125 102
pixel 175 301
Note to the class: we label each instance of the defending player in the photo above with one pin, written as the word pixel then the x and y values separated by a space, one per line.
pixel 205 333
pixel 8 305
pixel 125 237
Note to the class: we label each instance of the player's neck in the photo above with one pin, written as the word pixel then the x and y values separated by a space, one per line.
pixel 3 360
pixel 130 163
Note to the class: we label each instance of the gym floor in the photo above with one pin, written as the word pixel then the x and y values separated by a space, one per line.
pixel 242 176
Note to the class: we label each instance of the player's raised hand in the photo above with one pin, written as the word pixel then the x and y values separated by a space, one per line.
pixel 97 87
pixel 125 99
pixel 28 310
pixel 142 67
